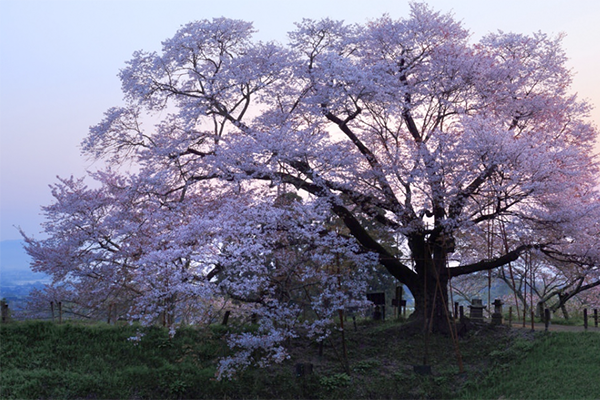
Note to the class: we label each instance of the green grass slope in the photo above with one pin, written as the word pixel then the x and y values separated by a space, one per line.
pixel 563 365
pixel 41 360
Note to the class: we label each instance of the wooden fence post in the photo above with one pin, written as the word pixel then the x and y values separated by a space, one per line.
pixel 52 310
pixel 5 313
pixel 532 320
pixel 585 319
pixel 596 317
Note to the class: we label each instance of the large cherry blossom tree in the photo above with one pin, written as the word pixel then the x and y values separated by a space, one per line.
pixel 263 170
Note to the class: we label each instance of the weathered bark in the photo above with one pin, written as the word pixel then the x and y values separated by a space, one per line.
pixel 430 290
pixel 562 303
pixel 431 302
pixel 563 308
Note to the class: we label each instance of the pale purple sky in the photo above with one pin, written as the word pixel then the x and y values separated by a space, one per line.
pixel 59 61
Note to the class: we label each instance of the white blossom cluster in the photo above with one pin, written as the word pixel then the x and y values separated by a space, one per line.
pixel 270 179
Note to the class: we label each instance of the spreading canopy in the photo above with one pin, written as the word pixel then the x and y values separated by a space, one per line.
pixel 395 142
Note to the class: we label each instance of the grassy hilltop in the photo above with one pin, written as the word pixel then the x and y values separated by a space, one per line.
pixel 45 360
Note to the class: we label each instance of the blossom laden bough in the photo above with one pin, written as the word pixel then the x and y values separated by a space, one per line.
pixel 277 176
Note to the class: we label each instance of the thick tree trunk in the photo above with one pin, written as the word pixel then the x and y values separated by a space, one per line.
pixel 431 289
pixel 562 302
pixel 431 304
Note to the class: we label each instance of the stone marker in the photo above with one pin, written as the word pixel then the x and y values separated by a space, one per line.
pixel 497 315
pixel 476 310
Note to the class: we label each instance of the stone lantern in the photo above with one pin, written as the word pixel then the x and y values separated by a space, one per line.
pixel 476 310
